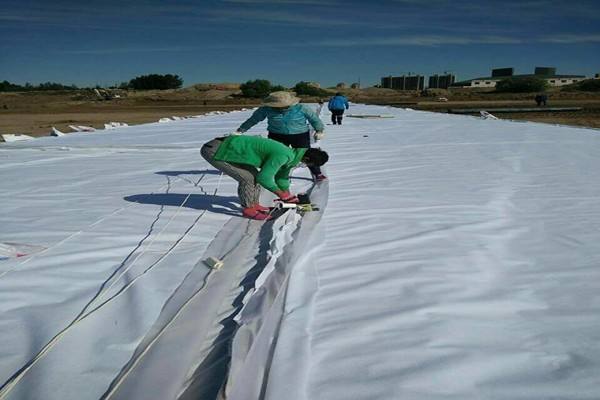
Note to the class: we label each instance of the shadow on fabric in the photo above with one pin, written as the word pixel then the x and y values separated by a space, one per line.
pixel 227 205
pixel 191 172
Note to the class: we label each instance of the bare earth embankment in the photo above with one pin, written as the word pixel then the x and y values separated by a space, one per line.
pixel 35 113
pixel 588 116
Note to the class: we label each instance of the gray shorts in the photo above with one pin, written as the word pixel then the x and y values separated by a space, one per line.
pixel 248 189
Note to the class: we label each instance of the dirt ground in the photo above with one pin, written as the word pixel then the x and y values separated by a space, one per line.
pixel 36 123
pixel 589 116
pixel 35 113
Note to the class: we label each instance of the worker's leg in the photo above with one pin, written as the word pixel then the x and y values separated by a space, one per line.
pixel 248 189
pixel 296 140
pixel 340 115
pixel 333 117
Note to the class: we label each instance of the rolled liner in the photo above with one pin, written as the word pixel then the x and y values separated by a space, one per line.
pixel 196 345
pixel 256 338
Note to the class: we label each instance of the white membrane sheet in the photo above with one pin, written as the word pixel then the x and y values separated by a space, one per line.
pixel 457 258
pixel 98 230
pixel 461 261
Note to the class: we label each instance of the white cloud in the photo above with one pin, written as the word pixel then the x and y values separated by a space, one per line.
pixel 571 38
pixel 304 2
pixel 275 17
pixel 438 40
pixel 18 18
pixel 413 40
pixel 122 50
pixel 420 40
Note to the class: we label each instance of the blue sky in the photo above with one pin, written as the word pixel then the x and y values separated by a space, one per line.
pixel 285 41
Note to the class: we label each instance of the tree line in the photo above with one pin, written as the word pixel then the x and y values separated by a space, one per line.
pixel 260 88
pixel 6 86
pixel 536 84
pixel 257 88
pixel 143 82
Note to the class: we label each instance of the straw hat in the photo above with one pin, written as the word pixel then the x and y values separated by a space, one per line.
pixel 281 99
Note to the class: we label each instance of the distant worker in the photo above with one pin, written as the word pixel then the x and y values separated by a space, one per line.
pixel 541 99
pixel 337 105
pixel 255 161
pixel 288 123
pixel 320 106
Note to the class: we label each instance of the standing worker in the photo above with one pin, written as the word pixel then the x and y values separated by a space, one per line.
pixel 337 105
pixel 287 123
pixel 541 99
pixel 255 161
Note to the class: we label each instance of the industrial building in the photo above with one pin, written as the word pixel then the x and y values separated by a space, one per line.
pixel 404 82
pixel 498 74
pixel 441 81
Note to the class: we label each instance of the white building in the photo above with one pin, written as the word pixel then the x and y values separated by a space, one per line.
pixel 548 74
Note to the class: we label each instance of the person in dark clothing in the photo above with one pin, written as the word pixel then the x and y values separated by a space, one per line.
pixel 337 105
pixel 541 99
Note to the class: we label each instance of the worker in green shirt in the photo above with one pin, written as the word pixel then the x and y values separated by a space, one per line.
pixel 255 161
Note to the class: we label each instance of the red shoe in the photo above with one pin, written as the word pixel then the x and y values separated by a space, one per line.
pixel 255 213
pixel 262 208
pixel 320 177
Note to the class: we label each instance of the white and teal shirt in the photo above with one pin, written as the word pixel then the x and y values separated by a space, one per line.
pixel 291 121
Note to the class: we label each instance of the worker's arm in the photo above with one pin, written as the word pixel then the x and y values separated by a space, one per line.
pixel 313 118
pixel 270 177
pixel 346 103
pixel 254 119
pixel 282 178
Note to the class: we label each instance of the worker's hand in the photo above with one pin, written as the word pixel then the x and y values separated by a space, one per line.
pixel 319 135
pixel 286 197
pixel 236 133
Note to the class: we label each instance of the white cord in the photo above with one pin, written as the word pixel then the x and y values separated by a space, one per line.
pixel 158 336
pixel 71 236
pixel 16 378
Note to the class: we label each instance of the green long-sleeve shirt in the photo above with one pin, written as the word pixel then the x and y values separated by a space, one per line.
pixel 275 160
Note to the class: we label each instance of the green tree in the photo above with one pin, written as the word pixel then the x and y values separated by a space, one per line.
pixel 6 86
pixel 257 88
pixel 156 82
pixel 589 85
pixel 522 85
pixel 306 89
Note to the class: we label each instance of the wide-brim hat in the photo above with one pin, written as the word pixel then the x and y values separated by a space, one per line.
pixel 281 99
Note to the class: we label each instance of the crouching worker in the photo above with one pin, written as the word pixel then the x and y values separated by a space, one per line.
pixel 255 161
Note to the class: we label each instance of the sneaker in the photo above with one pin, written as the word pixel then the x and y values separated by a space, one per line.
pixel 255 213
pixel 320 177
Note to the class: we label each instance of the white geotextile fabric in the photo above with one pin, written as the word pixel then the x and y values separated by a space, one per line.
pixel 461 257
pixel 461 261
pixel 103 211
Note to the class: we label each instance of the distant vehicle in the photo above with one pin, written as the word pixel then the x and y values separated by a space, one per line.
pixel 442 99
